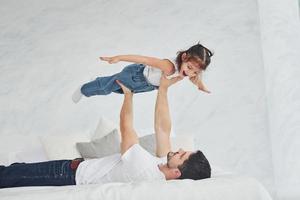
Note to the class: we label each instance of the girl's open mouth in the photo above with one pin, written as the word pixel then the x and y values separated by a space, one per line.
pixel 184 74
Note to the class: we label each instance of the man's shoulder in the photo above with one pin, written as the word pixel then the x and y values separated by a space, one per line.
pixel 137 155
pixel 135 150
pixel 139 164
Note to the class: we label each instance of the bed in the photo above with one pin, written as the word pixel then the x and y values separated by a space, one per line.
pixel 229 187
pixel 32 148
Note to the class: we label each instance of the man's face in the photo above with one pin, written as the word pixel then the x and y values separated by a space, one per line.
pixel 176 159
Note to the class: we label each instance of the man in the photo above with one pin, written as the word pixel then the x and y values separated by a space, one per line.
pixel 132 164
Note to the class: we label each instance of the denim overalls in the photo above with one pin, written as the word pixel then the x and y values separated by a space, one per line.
pixel 131 76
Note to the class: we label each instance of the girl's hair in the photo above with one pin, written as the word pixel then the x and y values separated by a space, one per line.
pixel 198 53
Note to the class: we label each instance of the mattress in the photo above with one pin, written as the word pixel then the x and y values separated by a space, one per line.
pixel 229 187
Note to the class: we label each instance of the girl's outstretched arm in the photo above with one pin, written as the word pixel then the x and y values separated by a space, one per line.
pixel 196 80
pixel 163 64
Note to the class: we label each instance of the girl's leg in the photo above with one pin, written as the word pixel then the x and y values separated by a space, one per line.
pixel 131 76
pixel 100 86
pixel 136 82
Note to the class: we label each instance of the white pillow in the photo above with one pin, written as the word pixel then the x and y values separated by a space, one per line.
pixel 98 148
pixel 60 147
pixel 184 142
pixel 29 155
pixel 21 148
pixel 104 127
pixel 64 146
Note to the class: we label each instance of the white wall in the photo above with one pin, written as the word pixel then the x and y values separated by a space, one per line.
pixel 280 30
pixel 49 47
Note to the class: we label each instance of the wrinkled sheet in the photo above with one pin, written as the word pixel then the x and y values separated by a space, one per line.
pixel 219 188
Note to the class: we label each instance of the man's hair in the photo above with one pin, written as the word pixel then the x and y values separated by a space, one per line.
pixel 195 167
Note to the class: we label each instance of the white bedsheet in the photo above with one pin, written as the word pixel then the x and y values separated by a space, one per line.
pixel 228 187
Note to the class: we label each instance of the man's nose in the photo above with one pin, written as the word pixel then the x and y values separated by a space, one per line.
pixel 172 153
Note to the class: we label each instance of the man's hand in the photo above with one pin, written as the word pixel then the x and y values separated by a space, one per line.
pixel 124 88
pixel 165 82
pixel 110 60
pixel 198 82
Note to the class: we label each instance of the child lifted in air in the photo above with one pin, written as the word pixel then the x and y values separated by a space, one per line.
pixel 144 75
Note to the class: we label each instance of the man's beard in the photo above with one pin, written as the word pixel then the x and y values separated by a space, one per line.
pixel 168 164
pixel 168 159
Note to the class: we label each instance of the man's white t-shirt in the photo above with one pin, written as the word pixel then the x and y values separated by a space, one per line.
pixel 135 164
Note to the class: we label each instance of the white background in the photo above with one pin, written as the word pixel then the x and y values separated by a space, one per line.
pixel 49 48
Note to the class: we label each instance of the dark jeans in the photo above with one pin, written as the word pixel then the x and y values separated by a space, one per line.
pixel 50 173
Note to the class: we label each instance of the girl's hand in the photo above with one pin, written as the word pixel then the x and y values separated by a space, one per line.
pixel 110 60
pixel 198 82
pixel 165 82
pixel 124 88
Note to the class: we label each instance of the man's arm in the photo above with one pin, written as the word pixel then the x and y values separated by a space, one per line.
pixel 128 134
pixel 162 119
pixel 163 64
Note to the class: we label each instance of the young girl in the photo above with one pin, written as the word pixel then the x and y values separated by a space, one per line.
pixel 144 75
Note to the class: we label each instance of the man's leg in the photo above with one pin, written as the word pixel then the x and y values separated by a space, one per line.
pixel 50 173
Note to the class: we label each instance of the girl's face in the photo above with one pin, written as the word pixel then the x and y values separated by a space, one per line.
pixel 189 68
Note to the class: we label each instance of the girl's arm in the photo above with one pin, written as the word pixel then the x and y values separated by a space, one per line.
pixel 196 80
pixel 163 64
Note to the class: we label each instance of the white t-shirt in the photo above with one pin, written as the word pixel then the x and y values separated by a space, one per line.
pixel 134 165
pixel 153 74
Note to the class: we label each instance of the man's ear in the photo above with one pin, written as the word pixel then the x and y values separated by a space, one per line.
pixel 176 173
